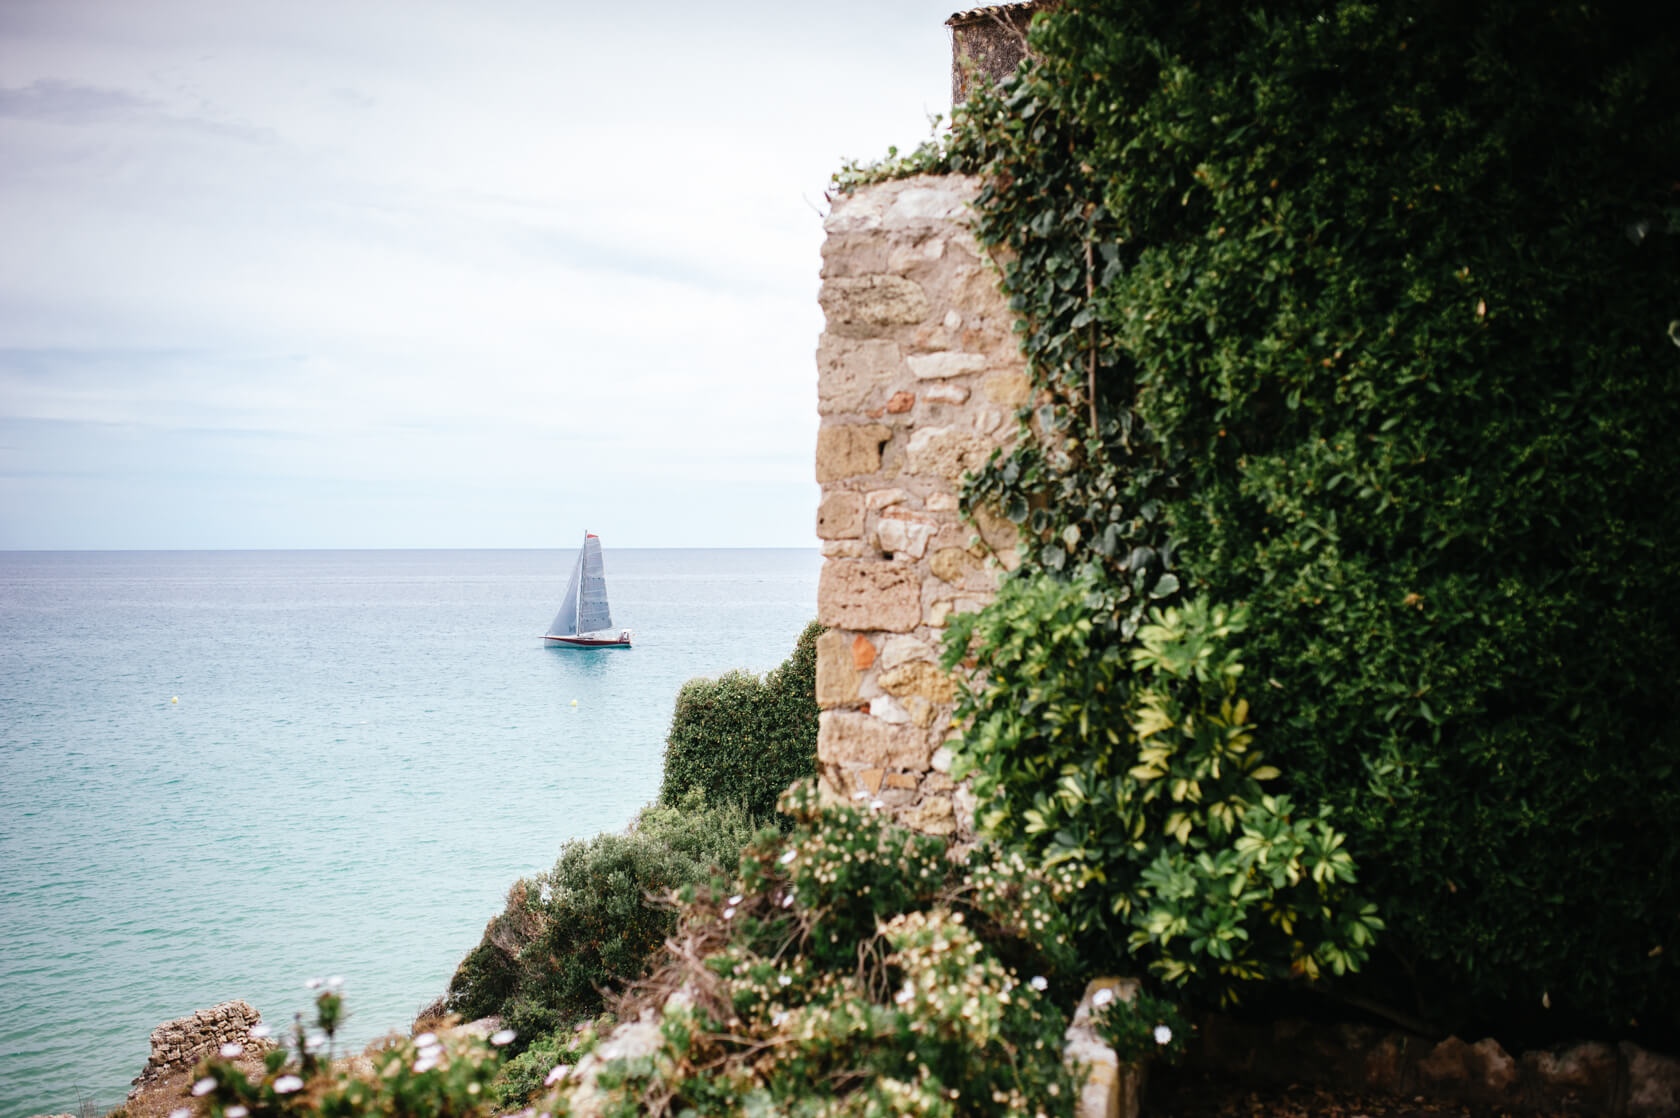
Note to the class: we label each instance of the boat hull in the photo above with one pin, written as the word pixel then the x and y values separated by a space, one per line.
pixel 587 642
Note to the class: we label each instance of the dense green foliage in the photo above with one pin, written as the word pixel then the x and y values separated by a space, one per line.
pixel 738 738
pixel 438 1077
pixel 852 968
pixel 1362 315
pixel 594 920
pixel 1137 772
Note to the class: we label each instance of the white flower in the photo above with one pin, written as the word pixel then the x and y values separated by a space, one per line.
pixel 204 1087
pixel 261 1032
pixel 861 794
pixel 1163 1035
pixel 905 993
pixel 556 1074
pixel 778 1017
pixel 503 1037
pixel 729 913
pixel 787 901
pixel 784 980
pixel 425 1039
pixel 1040 983
pixel 232 1051
pixel 236 1111
pixel 286 1084
pixel 423 1065
pixel 335 981
pixel 877 805
pixel 736 899
pixel 312 984
pixel 1102 998
pixel 181 1112
pixel 789 855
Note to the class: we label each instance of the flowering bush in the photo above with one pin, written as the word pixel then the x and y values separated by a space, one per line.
pixel 852 968
pixel 425 1075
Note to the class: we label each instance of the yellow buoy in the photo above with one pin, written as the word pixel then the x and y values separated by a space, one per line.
pixel 574 702
pixel 175 699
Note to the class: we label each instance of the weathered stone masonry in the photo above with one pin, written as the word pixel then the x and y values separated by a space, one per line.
pixel 918 378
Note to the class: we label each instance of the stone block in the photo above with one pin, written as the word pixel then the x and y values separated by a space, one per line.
pixel 933 816
pixel 889 710
pixel 1653 1082
pixel 850 373
pixel 902 650
pixel 921 711
pixel 900 402
pixel 904 531
pixel 995 530
pixel 919 677
pixel 840 516
pixel 942 502
pixel 837 677
pixel 847 737
pixel 878 499
pixel 1009 390
pixel 843 549
pixel 866 594
pixel 849 449
pixel 938 366
pixel 857 305
pixel 953 394
pixel 945 452
pixel 952 564
pixel 1583 1074
pixel 863 653
pixel 907 256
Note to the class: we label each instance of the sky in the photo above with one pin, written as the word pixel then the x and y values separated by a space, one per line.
pixel 355 274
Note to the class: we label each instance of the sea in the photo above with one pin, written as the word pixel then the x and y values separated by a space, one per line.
pixel 225 773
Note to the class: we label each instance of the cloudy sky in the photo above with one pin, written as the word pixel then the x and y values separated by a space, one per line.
pixel 427 274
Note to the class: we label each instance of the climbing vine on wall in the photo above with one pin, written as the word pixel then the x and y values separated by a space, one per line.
pixel 1363 316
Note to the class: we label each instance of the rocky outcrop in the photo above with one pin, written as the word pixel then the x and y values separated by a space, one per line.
pixel 178 1045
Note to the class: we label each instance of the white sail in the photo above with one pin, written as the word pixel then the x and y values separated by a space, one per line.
pixel 566 621
pixel 592 612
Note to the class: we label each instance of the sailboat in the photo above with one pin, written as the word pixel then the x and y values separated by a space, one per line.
pixel 584 621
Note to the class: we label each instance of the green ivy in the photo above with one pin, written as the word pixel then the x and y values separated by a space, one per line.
pixel 1362 315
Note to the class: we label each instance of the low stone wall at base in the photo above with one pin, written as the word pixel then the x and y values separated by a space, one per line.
pixel 178 1045
pixel 1590 1077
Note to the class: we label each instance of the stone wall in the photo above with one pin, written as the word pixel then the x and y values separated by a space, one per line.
pixel 918 378
pixel 178 1045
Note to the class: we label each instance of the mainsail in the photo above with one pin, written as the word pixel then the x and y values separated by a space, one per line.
pixel 584 608
pixel 592 612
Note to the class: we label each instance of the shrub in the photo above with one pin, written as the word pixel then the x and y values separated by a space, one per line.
pixel 853 968
pixel 1136 772
pixel 745 740
pixel 1361 315
pixel 425 1075
pixel 589 924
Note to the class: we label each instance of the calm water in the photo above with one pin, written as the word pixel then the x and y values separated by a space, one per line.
pixel 367 750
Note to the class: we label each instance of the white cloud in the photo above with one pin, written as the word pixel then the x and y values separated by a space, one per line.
pixel 262 249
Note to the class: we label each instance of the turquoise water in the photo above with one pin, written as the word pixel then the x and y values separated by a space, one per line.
pixel 367 749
